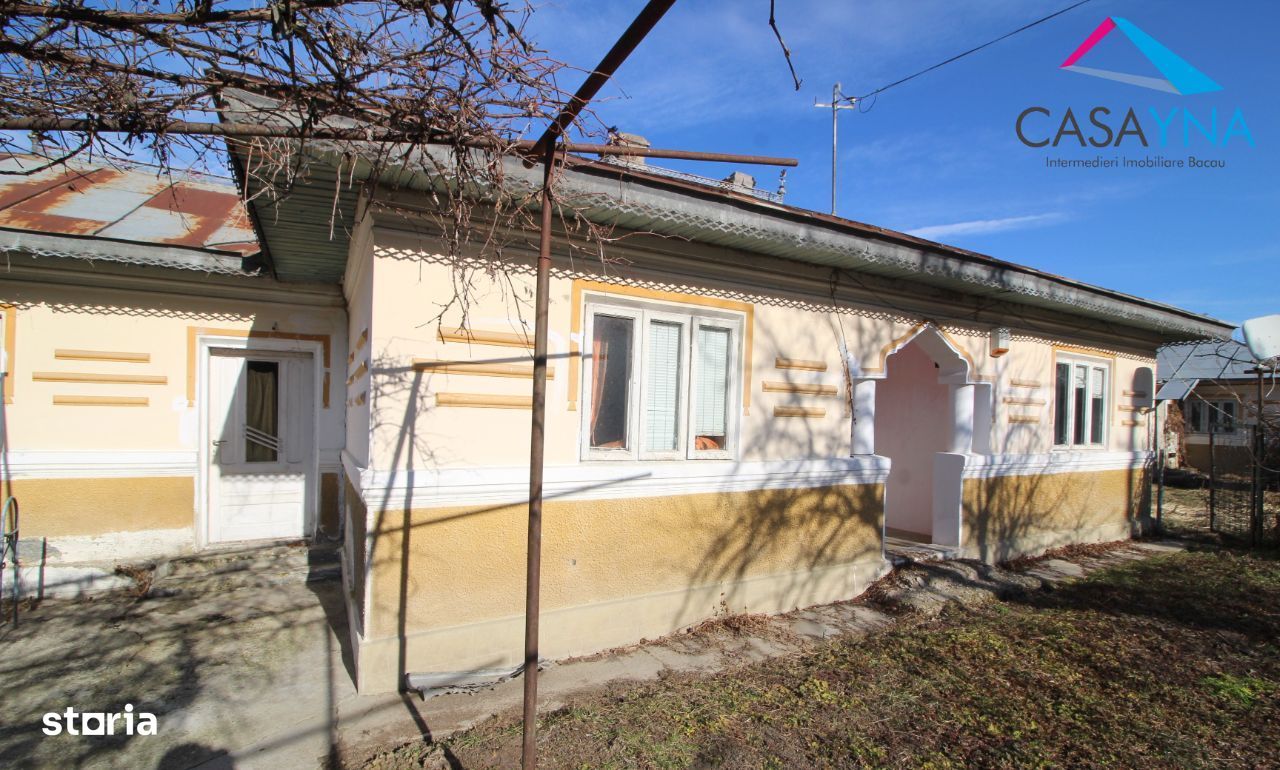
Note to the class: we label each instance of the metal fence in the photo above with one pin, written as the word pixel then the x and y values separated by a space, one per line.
pixel 1236 497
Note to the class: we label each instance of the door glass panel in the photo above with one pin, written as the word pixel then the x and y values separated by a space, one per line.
pixel 610 381
pixel 261 412
pixel 662 388
pixel 711 389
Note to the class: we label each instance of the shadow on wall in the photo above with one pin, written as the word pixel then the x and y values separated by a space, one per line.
pixel 465 565
pixel 1009 516
pixel 788 535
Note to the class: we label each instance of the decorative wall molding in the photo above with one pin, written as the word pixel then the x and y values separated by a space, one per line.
pixel 604 480
pixel 116 379
pixel 101 401
pixel 799 411
pixel 100 464
pixel 479 368
pixel 102 355
pixel 483 337
pixel 799 363
pixel 806 388
pixel 484 401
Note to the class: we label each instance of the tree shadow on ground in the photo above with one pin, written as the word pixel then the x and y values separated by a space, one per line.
pixel 1157 588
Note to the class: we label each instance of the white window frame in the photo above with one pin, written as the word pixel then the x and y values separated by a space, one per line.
pixel 1209 407
pixel 689 317
pixel 633 438
pixel 1091 363
pixel 734 388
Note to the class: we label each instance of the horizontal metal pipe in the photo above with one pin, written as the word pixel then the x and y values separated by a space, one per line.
pixel 648 18
pixel 250 131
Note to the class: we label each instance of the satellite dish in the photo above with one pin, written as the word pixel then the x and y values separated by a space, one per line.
pixel 1262 335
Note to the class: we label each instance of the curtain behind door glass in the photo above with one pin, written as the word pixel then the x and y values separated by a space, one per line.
pixel 262 436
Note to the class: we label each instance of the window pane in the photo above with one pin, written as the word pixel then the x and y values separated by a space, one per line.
pixel 1195 416
pixel 261 407
pixel 610 381
pixel 1078 389
pixel 711 388
pixel 1061 394
pixel 1098 405
pixel 662 388
pixel 1222 416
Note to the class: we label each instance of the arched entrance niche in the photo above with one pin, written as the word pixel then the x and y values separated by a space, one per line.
pixel 919 411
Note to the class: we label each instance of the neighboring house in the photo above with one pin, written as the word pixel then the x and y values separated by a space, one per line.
pixel 742 404
pixel 129 298
pixel 1215 386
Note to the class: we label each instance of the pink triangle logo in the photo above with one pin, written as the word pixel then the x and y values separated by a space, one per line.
pixel 1178 76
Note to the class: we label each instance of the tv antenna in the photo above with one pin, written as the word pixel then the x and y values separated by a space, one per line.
pixel 838 102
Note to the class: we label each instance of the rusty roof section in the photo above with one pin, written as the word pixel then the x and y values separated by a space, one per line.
pixel 137 204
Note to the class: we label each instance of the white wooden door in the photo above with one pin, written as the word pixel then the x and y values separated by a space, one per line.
pixel 261 427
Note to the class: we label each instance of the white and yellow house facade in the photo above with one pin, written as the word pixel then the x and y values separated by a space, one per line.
pixel 744 400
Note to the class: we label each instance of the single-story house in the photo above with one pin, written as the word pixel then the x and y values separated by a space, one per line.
pixel 745 399
pixel 1214 386
pixel 126 297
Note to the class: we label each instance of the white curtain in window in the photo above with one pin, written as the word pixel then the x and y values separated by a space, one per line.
pixel 662 387
pixel 711 382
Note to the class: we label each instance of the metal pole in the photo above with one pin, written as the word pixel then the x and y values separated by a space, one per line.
pixel 1160 471
pixel 835 153
pixel 1213 483
pixel 1258 447
pixel 644 22
pixel 835 106
pixel 537 439
pixel 376 134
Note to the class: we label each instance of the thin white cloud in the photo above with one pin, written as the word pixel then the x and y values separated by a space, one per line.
pixel 982 226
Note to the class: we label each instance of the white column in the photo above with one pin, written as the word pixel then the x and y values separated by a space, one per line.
pixel 982 418
pixel 864 417
pixel 962 419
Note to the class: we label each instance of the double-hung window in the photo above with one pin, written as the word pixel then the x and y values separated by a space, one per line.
pixel 1080 401
pixel 659 383
pixel 1210 416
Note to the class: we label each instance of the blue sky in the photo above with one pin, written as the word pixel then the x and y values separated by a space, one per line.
pixel 939 156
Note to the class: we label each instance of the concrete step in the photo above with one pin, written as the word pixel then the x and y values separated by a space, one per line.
pixel 220 570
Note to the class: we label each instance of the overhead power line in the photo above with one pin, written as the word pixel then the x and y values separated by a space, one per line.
pixel 957 57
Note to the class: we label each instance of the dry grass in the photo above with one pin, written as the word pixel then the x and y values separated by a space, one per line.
pixel 1168 662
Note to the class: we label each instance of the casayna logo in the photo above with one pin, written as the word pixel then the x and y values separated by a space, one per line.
pixel 1179 76
pixel 1108 127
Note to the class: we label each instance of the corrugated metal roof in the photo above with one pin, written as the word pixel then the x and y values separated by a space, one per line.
pixel 1214 360
pixel 124 203
pixel 1176 390
pixel 304 242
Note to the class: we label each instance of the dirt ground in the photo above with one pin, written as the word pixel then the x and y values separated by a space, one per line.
pixel 1168 661
pixel 241 668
